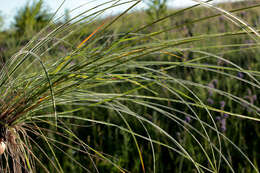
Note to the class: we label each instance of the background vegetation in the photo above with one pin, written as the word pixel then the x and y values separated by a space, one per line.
pixel 174 91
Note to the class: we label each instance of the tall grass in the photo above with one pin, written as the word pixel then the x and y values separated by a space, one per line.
pixel 155 97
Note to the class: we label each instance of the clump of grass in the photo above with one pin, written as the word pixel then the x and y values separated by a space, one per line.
pixel 146 88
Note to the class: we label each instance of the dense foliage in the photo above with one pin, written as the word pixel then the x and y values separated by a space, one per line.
pixel 176 92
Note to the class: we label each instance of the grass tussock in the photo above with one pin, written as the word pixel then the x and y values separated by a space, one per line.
pixel 177 92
